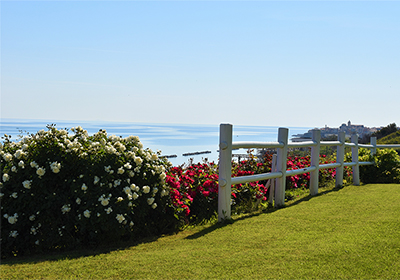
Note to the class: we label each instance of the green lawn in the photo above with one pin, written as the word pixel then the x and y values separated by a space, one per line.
pixel 353 232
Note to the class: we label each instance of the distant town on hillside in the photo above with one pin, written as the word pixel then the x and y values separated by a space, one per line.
pixel 329 132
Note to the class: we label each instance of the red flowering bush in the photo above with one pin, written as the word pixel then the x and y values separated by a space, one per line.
pixel 194 189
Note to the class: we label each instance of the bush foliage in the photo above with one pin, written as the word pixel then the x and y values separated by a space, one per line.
pixel 60 190
pixel 385 170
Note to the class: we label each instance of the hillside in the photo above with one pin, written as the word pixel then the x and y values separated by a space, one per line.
pixel 393 138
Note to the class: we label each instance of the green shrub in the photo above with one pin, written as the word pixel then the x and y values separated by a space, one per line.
pixel 385 170
pixel 62 191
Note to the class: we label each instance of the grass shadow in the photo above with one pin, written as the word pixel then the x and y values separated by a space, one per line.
pixel 269 210
pixel 69 254
pixel 309 197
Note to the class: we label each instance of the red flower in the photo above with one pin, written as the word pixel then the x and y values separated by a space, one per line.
pixel 206 193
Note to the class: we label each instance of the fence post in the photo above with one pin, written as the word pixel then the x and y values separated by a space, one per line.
pixel 354 158
pixel 316 137
pixel 340 158
pixel 272 187
pixel 225 172
pixel 281 167
pixel 373 143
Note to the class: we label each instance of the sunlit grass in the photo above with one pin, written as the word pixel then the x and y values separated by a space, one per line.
pixel 352 232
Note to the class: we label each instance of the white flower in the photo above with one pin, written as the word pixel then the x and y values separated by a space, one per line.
pixel 117 182
pixel 78 201
pixel 6 177
pixel 32 218
pixel 37 242
pixel 14 169
pixel 66 208
pixel 27 184
pixel 84 187
pixel 19 154
pixel 7 157
pixel 86 213
pixel 14 195
pixel 96 180
pixel 121 170
pixel 13 233
pixel 127 165
pixel 138 160
pixel 135 195
pixel 34 164
pixel 155 190
pixel 120 146
pixel 33 231
pixel 162 176
pixel 13 219
pixel 104 202
pixel 150 200
pixel 40 171
pixel 154 157
pixel 5 216
pixel 119 199
pixel 120 218
pixel 146 189
pixel 55 167
pixel 154 206
pixel 127 190
pixel 131 224
pixel 21 164
pixel 164 192
pixel 108 210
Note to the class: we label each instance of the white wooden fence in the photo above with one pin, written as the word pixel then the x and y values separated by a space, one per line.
pixel 225 163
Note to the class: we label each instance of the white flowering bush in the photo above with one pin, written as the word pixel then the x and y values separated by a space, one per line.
pixel 62 190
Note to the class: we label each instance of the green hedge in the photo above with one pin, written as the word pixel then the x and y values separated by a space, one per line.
pixel 385 170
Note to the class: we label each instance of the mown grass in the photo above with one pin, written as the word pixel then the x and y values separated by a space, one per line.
pixel 353 232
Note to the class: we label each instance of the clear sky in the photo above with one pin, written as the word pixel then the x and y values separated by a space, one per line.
pixel 300 63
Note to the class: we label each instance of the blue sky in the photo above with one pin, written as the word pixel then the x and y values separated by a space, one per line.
pixel 300 63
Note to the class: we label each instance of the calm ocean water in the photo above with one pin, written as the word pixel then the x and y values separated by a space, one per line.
pixel 171 139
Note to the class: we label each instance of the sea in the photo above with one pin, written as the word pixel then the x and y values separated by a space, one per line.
pixel 173 140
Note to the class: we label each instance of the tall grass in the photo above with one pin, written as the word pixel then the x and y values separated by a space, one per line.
pixel 352 232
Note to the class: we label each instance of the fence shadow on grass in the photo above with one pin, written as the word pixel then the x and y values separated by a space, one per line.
pixel 255 214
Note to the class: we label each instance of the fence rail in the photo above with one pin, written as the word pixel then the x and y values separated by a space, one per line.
pixel 279 168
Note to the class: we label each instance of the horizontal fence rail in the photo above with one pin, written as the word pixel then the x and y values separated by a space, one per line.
pixel 279 164
pixel 260 145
